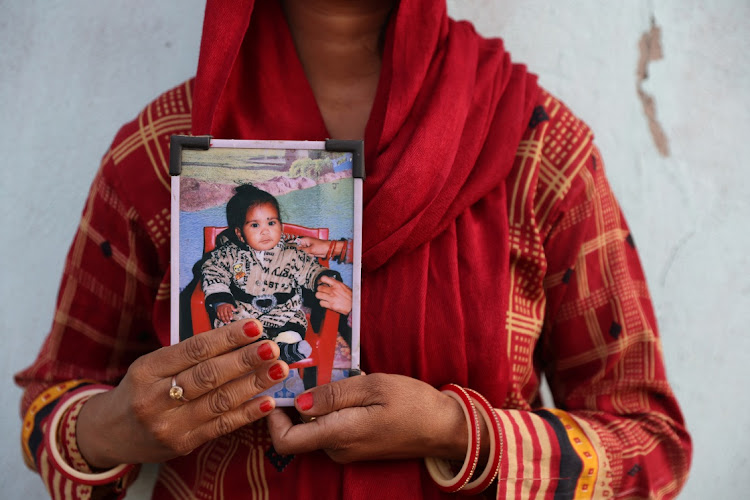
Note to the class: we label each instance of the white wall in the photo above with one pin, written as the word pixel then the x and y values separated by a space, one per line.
pixel 72 72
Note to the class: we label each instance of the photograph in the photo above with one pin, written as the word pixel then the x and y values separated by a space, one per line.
pixel 265 230
pixel 538 285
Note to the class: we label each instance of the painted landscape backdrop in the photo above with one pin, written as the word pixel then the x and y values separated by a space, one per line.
pixel 314 189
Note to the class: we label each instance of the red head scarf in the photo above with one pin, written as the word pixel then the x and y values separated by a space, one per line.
pixel 441 138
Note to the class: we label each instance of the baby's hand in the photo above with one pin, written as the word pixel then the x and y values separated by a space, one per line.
pixel 224 312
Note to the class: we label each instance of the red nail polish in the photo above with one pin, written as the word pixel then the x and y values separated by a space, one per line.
pixel 276 372
pixel 251 328
pixel 305 401
pixel 266 406
pixel 265 352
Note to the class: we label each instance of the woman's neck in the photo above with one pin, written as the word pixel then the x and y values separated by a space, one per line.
pixel 338 44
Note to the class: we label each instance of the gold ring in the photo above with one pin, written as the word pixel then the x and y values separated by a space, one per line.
pixel 176 392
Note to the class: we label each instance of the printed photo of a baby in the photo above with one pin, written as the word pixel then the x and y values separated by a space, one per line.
pixel 268 233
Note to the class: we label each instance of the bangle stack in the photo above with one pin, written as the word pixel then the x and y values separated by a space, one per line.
pixel 341 256
pixel 51 443
pixel 331 247
pixel 485 409
pixel 474 406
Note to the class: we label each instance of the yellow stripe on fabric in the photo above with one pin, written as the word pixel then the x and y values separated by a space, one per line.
pixel 144 141
pixel 586 452
pixel 118 256
pixel 42 400
pixel 668 489
pixel 165 125
pixel 534 148
pixel 89 282
pixel 125 147
pixel 67 321
pixel 201 458
pixel 256 476
pixel 600 352
pixel 250 473
pixel 582 280
pixel 128 296
pixel 56 480
pixel 109 196
pixel 527 448
pixel 68 491
pixel 74 261
pixel 525 324
pixel 174 484
pixel 188 95
pixel 545 460
pixel 569 176
pixel 603 480
pixel 603 224
pixel 604 238
pixel 551 105
pixel 161 166
pixel 259 464
pixel 537 474
pixel 221 470
pixel 509 483
pixel 44 468
pixel 164 292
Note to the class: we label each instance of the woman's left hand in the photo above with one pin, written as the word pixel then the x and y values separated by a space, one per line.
pixel 334 295
pixel 373 417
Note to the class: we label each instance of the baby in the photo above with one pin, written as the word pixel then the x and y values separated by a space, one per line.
pixel 253 273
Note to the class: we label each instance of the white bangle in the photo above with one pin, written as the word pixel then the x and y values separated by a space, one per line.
pixel 51 444
pixel 492 468
pixel 439 469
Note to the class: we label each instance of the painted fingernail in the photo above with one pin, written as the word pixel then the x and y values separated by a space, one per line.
pixel 266 406
pixel 305 401
pixel 265 352
pixel 251 329
pixel 276 371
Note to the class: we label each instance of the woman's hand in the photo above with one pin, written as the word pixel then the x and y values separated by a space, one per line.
pixel 373 417
pixel 219 370
pixel 334 295
pixel 313 246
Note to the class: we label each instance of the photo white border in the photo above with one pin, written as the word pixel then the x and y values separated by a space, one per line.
pixel 357 241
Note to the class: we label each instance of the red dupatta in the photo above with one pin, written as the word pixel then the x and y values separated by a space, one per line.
pixel 441 138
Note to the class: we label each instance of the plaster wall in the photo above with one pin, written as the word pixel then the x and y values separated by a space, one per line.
pixel 72 72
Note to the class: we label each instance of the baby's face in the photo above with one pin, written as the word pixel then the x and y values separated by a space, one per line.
pixel 262 227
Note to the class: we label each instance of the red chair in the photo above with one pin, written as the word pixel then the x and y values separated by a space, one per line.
pixel 323 341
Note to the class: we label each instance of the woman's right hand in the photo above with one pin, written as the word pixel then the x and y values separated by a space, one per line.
pixel 313 246
pixel 219 371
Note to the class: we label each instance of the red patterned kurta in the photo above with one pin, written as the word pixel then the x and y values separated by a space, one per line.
pixel 579 311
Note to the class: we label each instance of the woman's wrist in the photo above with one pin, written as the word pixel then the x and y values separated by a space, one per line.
pixel 94 433
pixel 62 446
pixel 480 431
pixel 443 472
pixel 475 472
pixel 454 433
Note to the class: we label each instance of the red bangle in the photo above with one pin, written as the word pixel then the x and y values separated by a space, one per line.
pixel 51 440
pixel 485 409
pixel 439 469
pixel 329 253
pixel 342 254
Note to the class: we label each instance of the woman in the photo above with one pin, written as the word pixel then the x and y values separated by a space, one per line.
pixel 493 251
